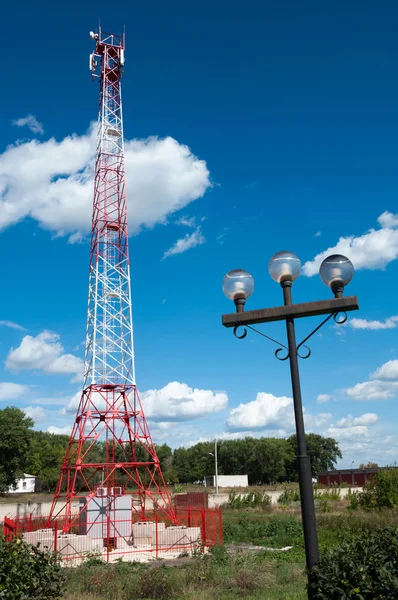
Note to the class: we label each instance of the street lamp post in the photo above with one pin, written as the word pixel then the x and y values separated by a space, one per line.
pixel 215 464
pixel 284 267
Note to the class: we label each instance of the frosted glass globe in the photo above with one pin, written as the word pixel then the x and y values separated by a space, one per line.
pixel 336 271
pixel 238 284
pixel 284 266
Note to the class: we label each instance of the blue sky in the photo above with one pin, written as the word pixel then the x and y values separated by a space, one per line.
pixel 249 129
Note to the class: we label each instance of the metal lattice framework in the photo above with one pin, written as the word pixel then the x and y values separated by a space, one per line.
pixel 110 448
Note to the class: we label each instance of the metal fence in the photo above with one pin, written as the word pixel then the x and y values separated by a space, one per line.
pixel 130 539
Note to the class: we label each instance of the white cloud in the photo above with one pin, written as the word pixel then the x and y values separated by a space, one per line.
pixel 387 219
pixel 43 352
pixel 269 412
pixel 266 411
pixel 11 391
pixel 60 430
pixel 346 432
pixel 322 398
pixel 316 421
pixel 178 401
pixel 183 244
pixel 383 384
pixel 186 221
pixel 388 371
pixel 52 182
pixel 31 122
pixel 366 419
pixel 36 413
pixel 373 390
pixel 12 325
pixel 374 249
pixel 389 323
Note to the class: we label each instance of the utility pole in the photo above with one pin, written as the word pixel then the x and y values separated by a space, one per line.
pixel 216 461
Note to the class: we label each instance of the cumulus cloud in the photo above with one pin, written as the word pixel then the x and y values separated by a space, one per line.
pixel 383 384
pixel 36 413
pixel 389 323
pixel 373 390
pixel 366 419
pixel 322 398
pixel 270 412
pixel 374 249
pixel 265 412
pixel 52 182
pixel 60 430
pixel 12 325
pixel 346 433
pixel 43 352
pixel 11 391
pixel 183 244
pixel 178 402
pixel 388 371
pixel 31 122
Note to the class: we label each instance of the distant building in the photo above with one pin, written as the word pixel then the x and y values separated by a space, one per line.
pixel 353 477
pixel 27 483
pixel 226 481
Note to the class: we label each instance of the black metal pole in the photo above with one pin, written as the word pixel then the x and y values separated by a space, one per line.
pixel 303 460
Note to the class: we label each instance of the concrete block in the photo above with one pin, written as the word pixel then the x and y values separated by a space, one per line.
pixel 178 536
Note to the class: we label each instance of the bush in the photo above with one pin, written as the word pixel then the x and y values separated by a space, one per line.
pixel 289 496
pixel 27 573
pixel 364 567
pixel 353 500
pixel 251 500
pixel 161 583
pixel 381 492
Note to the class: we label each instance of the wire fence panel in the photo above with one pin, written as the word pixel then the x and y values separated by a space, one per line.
pixel 134 537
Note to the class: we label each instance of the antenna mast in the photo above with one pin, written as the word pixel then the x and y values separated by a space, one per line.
pixel 110 451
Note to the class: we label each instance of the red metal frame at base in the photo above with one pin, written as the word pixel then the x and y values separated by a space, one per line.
pixel 128 464
pixel 195 529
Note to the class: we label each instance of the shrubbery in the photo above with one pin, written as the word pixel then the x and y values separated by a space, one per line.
pixel 364 567
pixel 27 573
pixel 251 500
pixel 381 492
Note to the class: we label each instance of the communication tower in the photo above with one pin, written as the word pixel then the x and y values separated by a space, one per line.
pixel 110 451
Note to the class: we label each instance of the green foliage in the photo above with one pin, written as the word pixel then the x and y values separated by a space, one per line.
pixel 275 531
pixel 15 445
pixel 289 496
pixel 158 584
pixel 364 567
pixel 380 492
pixel 27 573
pixel 250 500
pixel 353 500
pixel 323 452
pixel 264 460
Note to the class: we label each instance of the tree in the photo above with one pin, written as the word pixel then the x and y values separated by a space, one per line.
pixel 15 445
pixel 370 465
pixel 323 453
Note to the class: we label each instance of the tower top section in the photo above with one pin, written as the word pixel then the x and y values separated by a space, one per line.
pixel 110 44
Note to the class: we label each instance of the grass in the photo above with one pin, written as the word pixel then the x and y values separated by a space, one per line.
pixel 217 576
pixel 234 571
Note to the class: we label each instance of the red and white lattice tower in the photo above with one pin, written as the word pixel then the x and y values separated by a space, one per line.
pixel 110 410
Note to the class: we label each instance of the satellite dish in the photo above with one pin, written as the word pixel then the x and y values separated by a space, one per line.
pixel 92 35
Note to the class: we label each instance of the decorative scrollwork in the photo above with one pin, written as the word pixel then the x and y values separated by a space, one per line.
pixel 284 349
pixel 339 320
pixel 242 335
pixel 307 354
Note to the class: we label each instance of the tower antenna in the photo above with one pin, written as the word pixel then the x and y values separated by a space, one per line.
pixel 110 453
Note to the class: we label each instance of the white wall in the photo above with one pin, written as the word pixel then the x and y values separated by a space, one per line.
pixel 24 485
pixel 228 481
